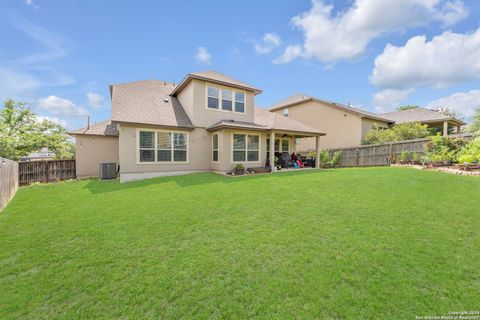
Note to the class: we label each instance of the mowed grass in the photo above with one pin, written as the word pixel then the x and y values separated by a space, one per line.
pixel 388 243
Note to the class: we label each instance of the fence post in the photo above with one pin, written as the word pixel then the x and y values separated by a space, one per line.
pixel 390 154
pixel 357 158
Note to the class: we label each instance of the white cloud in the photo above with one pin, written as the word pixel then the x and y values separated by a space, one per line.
pixel 388 99
pixel 447 59
pixel 52 119
pixel 291 53
pixel 95 100
pixel 59 106
pixel 331 37
pixel 270 42
pixel 203 56
pixel 464 103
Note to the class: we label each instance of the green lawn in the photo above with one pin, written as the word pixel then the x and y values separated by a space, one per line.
pixel 388 243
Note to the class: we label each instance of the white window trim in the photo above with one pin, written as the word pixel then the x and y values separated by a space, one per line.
pixel 280 148
pixel 285 112
pixel 137 147
pixel 220 107
pixel 246 147
pixel 218 147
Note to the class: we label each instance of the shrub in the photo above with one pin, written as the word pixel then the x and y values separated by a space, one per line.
pixel 324 156
pixel 415 157
pixel 470 153
pixel 405 155
pixel 400 132
pixel 444 148
pixel 336 158
pixel 239 168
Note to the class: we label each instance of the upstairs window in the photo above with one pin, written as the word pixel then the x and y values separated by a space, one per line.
pixel 239 102
pixel 221 98
pixel 212 98
pixel 285 112
pixel 227 99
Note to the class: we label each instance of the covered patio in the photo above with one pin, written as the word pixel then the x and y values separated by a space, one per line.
pixel 284 147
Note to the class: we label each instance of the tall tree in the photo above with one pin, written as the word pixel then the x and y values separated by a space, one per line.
pixel 406 107
pixel 21 133
pixel 447 111
pixel 474 128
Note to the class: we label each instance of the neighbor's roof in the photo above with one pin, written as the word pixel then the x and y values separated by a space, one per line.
pixel 300 98
pixel 215 77
pixel 275 121
pixel 148 102
pixel 419 114
pixel 103 128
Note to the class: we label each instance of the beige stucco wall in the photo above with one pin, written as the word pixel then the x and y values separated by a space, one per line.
pixel 193 99
pixel 93 150
pixel 199 146
pixel 368 124
pixel 343 129
pixel 199 154
pixel 226 156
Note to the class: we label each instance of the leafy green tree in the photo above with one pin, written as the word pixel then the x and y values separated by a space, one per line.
pixel 474 128
pixel 21 133
pixel 400 132
pixel 406 107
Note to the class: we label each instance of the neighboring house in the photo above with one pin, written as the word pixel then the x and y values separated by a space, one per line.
pixel 207 122
pixel 41 155
pixel 345 126
pixel 434 119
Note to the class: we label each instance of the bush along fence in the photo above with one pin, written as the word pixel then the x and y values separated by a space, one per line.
pixel 8 181
pixel 382 154
pixel 45 171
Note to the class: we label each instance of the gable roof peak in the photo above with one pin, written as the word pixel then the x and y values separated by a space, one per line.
pixel 215 77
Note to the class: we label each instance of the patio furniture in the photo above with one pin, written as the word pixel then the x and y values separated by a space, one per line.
pixel 286 160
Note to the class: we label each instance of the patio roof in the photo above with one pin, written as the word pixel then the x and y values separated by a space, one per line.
pixel 268 121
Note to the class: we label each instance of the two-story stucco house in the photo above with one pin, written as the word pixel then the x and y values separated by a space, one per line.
pixel 207 122
pixel 345 126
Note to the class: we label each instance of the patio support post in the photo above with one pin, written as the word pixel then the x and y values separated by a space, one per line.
pixel 272 151
pixel 317 158
pixel 445 128
pixel 459 130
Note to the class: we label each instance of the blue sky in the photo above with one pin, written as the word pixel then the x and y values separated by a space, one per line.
pixel 60 56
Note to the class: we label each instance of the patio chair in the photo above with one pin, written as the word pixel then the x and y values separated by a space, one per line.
pixel 287 160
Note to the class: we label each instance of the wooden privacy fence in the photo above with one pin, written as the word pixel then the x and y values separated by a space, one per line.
pixel 378 154
pixel 45 171
pixel 8 181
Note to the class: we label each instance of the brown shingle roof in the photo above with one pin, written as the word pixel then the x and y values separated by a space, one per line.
pixel 148 102
pixel 300 97
pixel 419 114
pixel 103 128
pixel 215 77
